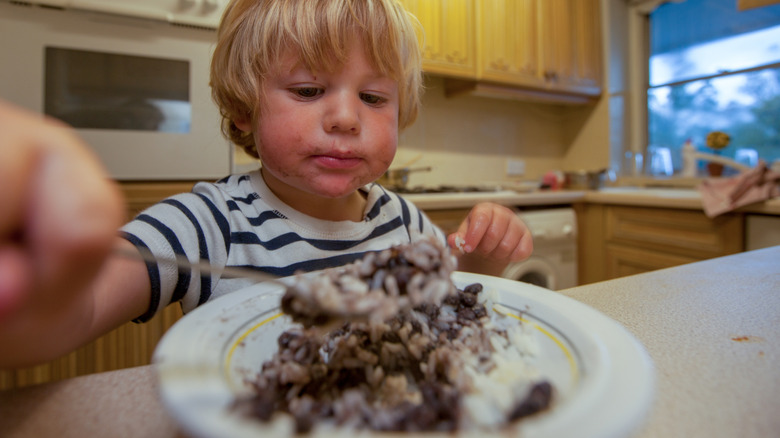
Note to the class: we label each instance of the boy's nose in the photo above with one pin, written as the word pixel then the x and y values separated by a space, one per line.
pixel 343 114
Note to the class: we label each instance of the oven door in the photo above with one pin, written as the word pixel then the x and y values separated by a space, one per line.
pixel 136 90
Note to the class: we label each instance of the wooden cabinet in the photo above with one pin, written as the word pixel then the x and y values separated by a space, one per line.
pixel 448 219
pixel 449 46
pixel 617 240
pixel 587 74
pixel 553 45
pixel 130 345
pixel 508 41
pixel 127 346
pixel 140 195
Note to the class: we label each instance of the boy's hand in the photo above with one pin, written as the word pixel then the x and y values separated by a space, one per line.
pixel 491 237
pixel 59 213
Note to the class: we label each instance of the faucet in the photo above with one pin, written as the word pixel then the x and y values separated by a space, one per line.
pixel 690 157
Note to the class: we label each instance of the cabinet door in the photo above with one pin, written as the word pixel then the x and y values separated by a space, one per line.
pixel 508 42
pixel 129 345
pixel 587 70
pixel 619 240
pixel 552 45
pixel 684 232
pixel 448 219
pixel 556 38
pixel 624 260
pixel 449 46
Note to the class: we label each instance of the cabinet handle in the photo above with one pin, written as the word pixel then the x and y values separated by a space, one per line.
pixel 456 56
pixel 499 64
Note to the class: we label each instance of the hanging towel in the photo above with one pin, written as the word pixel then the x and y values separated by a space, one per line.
pixel 720 195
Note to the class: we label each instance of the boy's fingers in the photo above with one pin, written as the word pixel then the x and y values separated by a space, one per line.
pixel 472 229
pixel 524 249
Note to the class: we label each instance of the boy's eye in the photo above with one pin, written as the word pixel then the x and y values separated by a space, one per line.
pixel 371 99
pixel 307 92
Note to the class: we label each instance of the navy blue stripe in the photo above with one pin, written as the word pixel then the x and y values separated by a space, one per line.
pixel 184 276
pixel 233 206
pixel 250 238
pixel 220 220
pixel 420 221
pixel 308 265
pixel 245 200
pixel 406 216
pixel 203 249
pixel 154 279
pixel 376 209
pixel 263 218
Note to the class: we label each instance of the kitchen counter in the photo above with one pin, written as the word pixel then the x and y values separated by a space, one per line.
pixel 712 329
pixel 439 201
pixel 637 196
pixel 667 198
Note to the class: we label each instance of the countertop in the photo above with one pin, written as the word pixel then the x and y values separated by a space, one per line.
pixel 439 201
pixel 664 197
pixel 668 198
pixel 712 329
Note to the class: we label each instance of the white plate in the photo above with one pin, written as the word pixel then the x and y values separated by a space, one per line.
pixel 603 376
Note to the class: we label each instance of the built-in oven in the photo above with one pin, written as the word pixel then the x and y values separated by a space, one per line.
pixel 134 87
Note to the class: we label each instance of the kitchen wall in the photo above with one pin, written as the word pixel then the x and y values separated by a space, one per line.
pixel 468 139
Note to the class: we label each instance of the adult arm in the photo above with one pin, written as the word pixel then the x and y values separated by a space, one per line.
pixel 59 215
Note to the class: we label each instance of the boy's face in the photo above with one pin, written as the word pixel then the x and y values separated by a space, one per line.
pixel 326 133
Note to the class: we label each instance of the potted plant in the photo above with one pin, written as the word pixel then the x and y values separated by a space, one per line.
pixel 716 140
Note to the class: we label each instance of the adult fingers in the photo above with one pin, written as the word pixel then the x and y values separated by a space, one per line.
pixel 58 206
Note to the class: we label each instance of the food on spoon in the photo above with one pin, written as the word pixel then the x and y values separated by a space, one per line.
pixel 376 288
pixel 438 359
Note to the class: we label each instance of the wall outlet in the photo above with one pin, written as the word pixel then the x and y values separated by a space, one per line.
pixel 515 167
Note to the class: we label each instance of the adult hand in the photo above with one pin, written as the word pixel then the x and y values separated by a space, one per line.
pixel 59 214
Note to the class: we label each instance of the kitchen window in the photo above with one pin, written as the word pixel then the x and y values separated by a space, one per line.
pixel 714 67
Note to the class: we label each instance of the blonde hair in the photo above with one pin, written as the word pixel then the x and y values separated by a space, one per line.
pixel 255 34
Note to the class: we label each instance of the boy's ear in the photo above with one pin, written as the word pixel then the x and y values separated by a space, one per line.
pixel 243 125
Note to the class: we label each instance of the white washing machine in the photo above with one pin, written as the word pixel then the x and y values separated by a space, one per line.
pixel 553 263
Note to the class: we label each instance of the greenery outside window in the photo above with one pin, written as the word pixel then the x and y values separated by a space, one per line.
pixel 713 67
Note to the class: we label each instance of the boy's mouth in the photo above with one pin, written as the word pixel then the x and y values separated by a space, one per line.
pixel 337 162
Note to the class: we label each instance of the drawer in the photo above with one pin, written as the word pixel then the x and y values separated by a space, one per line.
pixel 623 260
pixel 686 232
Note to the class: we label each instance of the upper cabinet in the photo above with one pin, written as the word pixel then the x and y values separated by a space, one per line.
pixel 552 46
pixel 509 41
pixel 449 43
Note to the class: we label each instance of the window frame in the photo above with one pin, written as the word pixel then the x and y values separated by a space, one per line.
pixel 635 119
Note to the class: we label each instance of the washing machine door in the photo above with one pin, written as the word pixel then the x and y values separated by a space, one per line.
pixel 534 270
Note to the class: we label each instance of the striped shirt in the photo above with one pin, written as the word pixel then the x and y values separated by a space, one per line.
pixel 239 222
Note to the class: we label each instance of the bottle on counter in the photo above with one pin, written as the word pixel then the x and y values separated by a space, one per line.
pixel 689 159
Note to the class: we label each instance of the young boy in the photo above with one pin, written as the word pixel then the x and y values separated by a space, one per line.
pixel 318 91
